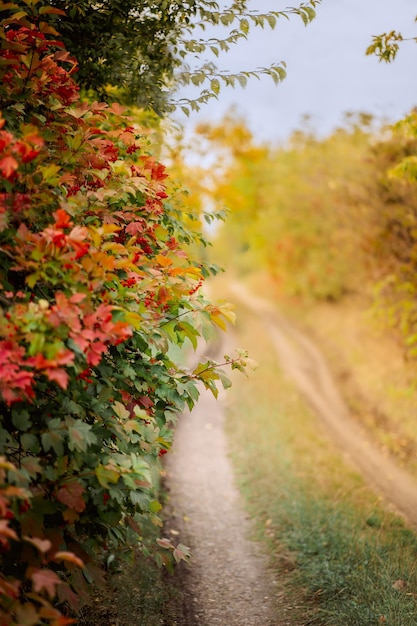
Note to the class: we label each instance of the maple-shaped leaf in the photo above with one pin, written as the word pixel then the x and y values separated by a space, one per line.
pixel 181 553
pixel 62 219
pixel 58 375
pixel 80 436
pixel 45 579
pixel 120 410
pixel 66 594
pixel 8 165
pixel 163 261
pixel 165 543
pixel 95 352
pixel 43 545
pixel 71 495
pixel 29 463
pixel 135 227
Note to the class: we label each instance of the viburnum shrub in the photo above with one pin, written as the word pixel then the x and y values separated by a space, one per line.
pixel 96 285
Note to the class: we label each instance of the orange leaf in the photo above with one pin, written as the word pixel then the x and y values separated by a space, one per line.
pixel 163 295
pixel 163 260
pixel 62 219
pixel 69 557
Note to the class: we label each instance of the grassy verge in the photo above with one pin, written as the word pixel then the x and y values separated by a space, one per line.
pixel 343 553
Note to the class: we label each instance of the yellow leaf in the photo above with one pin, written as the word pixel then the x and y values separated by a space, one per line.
pixel 227 312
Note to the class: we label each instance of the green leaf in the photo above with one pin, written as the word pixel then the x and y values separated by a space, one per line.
pixel 30 443
pixel 21 419
pixel 50 173
pixel 215 86
pixel 141 499
pixel 244 26
pixel 106 475
pixel 225 380
pixel 80 436
pixel 54 440
pixel 242 80
pixel 272 20
pixel 189 331
pixel 155 506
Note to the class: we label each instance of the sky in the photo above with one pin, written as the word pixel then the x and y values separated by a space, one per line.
pixel 328 73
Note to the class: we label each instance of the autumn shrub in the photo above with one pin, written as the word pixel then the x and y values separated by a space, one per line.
pixel 325 217
pixel 396 241
pixel 96 286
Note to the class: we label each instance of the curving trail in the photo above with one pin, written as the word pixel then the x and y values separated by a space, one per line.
pixel 304 363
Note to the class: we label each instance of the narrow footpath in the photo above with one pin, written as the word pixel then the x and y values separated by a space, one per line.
pixel 228 582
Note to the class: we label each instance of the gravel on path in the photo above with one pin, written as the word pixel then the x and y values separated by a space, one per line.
pixel 228 582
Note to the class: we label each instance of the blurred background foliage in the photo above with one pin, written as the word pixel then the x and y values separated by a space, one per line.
pixel 324 217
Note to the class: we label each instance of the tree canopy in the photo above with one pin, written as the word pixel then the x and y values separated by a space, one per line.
pixel 136 51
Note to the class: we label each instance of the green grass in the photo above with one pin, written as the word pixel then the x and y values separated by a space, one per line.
pixel 348 549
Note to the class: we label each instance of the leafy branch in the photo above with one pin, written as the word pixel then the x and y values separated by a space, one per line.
pixel 207 74
pixel 387 45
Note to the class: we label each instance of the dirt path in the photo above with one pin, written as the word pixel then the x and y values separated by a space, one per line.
pixel 228 582
pixel 304 363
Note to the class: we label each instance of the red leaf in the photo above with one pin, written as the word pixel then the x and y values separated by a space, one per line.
pixel 59 375
pixel 71 495
pixel 45 579
pixel 10 589
pixel 62 219
pixel 145 401
pixel 8 166
pixel 77 297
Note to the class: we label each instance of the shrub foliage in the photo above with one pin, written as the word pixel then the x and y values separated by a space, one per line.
pixel 96 286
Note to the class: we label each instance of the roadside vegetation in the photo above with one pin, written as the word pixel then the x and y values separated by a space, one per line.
pixel 342 557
